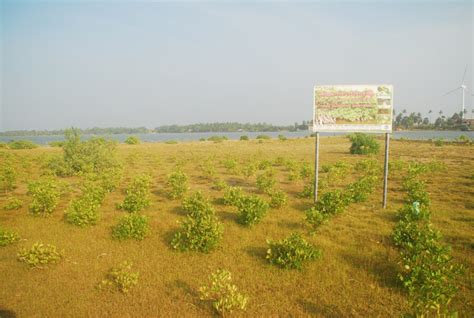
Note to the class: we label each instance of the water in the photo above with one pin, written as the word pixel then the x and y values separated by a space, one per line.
pixel 162 137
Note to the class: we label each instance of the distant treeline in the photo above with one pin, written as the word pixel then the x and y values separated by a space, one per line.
pixel 202 127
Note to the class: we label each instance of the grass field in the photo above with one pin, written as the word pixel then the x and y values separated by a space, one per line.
pixel 356 276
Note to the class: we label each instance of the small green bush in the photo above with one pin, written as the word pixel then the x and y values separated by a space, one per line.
pixel 263 137
pixel 278 198
pixel 13 204
pixel 363 144
pixel 266 181
pixel 332 202
pixel 415 190
pixel 315 218
pixel 360 190
pixel 56 144
pixel 22 144
pixel 201 230
pixel 251 209
pixel 282 137
pixel 249 169
pixel 138 194
pixel 217 139
pixel 291 252
pixel 121 277
pixel 219 185
pixel 132 140
pixel 244 138
pixel 7 177
pixel 7 237
pixel 131 226
pixel 233 195
pixel 84 210
pixel 439 142
pixel 306 171
pixel 45 194
pixel 224 295
pixel 40 254
pixel 230 165
pixel 208 169
pixel 178 184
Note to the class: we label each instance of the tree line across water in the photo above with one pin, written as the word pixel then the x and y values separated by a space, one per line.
pixel 401 120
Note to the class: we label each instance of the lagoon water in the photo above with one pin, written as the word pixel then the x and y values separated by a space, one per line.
pixel 161 137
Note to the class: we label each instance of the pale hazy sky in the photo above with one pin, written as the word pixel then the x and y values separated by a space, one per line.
pixel 131 63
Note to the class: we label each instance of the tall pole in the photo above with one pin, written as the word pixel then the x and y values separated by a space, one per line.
pixel 385 172
pixel 463 99
pixel 316 165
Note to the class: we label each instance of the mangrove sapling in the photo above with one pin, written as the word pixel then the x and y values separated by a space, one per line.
pixel 292 252
pixel 224 295
pixel 83 211
pixel 363 144
pixel 7 176
pixel 177 184
pixel 201 230
pixel 251 209
pixel 278 198
pixel 8 237
pixel 138 194
pixel 266 181
pixel 131 226
pixel 233 195
pixel 40 254
pixel 132 140
pixel 121 277
pixel 45 193
pixel 13 204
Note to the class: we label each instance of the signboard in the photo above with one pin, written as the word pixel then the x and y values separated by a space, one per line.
pixel 353 108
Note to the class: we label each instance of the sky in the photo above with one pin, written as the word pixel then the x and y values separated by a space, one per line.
pixel 143 63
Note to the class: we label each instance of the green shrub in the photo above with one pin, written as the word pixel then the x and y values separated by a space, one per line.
pixel 224 295
pixel 251 209
pixel 306 171
pixel 7 237
pixel 201 230
pixel 132 140
pixel 94 155
pixel 219 185
pixel 22 144
pixel 282 137
pixel 266 181
pixel 263 137
pixel 13 204
pixel 217 139
pixel 45 194
pixel 244 138
pixel 439 142
pixel 171 142
pixel 249 169
pixel 138 194
pixel 84 210
pixel 233 195
pixel 308 191
pixel 360 190
pixel 56 144
pixel 278 198
pixel 363 144
pixel 7 177
pixel 208 169
pixel 178 184
pixel 230 165
pixel 40 254
pixel 108 179
pixel 415 190
pixel 316 218
pixel 332 202
pixel 131 226
pixel 264 164
pixel 121 277
pixel 368 167
pixel 291 252
pixel 3 145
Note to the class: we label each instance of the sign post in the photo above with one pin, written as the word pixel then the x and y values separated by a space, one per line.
pixel 353 108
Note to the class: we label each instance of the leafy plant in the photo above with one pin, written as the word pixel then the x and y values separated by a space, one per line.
pixel 278 198
pixel 7 237
pixel 360 190
pixel 40 254
pixel 224 295
pixel 249 169
pixel 292 252
pixel 315 217
pixel 266 181
pixel 138 194
pixel 177 184
pixel 219 184
pixel 233 195
pixel 201 230
pixel 439 142
pixel 263 137
pixel 332 202
pixel 22 144
pixel 131 226
pixel 132 140
pixel 230 165
pixel 251 209
pixel 121 277
pixel 244 138
pixel 13 204
pixel 83 211
pixel 45 194
pixel 363 144
pixel 282 138
pixel 208 169
pixel 7 177
pixel 415 190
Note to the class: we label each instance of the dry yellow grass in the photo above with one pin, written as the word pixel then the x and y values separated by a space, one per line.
pixel 357 275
